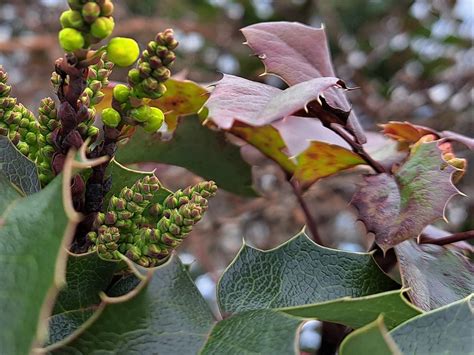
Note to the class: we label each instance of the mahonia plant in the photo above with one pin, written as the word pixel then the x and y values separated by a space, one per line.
pixel 88 245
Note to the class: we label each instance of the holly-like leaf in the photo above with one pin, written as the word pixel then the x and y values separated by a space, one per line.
pixel 165 315
pixel 182 97
pixel 256 104
pixel 298 53
pixel 246 108
pixel 196 148
pixel 405 131
pixel 299 272
pixel 293 51
pixel 33 234
pixel 399 207
pixel 268 141
pixel 358 312
pixel 436 275
pixel 446 330
pixel 17 168
pixel 86 276
pixel 8 193
pixel 254 332
pixel 371 339
pixel 321 160
pixel 410 133
pixel 61 325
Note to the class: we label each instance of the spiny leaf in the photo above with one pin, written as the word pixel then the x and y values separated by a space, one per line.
pixel 298 53
pixel 33 233
pixel 436 275
pixel 446 330
pixel 371 339
pixel 321 160
pixel 182 97
pixel 410 133
pixel 61 325
pixel 86 276
pixel 166 315
pixel 268 141
pixel 254 332
pixel 293 51
pixel 357 312
pixel 256 104
pixel 17 168
pixel 399 207
pixel 196 148
pixel 299 272
pixel 8 193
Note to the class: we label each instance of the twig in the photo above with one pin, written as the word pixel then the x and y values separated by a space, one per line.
pixel 453 238
pixel 357 148
pixel 310 222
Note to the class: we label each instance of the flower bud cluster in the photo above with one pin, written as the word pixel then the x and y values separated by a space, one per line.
pixel 48 123
pixel 153 67
pixel 147 231
pixel 87 22
pixel 17 122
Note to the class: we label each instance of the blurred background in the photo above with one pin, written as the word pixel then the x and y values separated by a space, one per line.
pixel 412 60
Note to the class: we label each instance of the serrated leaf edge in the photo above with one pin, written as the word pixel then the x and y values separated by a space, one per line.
pixel 383 330
pixel 300 234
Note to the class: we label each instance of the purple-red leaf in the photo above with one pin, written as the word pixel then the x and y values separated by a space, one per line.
pixel 238 99
pixel 298 53
pixel 293 51
pixel 298 132
pixel 398 207
pixel 436 275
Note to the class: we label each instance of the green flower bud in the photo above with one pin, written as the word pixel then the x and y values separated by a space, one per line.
pixel 90 12
pixel 155 120
pixel 30 138
pixel 71 19
pixel 121 93
pixel 141 114
pixel 110 117
pixel 122 51
pixel 133 76
pixel 93 131
pixel 133 253
pixel 70 39
pixel 102 28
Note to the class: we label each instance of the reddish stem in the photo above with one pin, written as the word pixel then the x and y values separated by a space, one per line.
pixel 453 238
pixel 310 222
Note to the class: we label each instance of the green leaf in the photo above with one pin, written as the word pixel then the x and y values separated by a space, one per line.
pixel 398 207
pixel 196 148
pixel 86 276
pixel 8 193
pixel 254 332
pixel 436 275
pixel 372 339
pixel 18 169
pixel 166 315
pixel 446 330
pixel 298 272
pixel 63 324
pixel 33 234
pixel 358 312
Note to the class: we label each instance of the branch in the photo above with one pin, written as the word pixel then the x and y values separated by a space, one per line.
pixel 310 222
pixel 453 238
pixel 357 148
